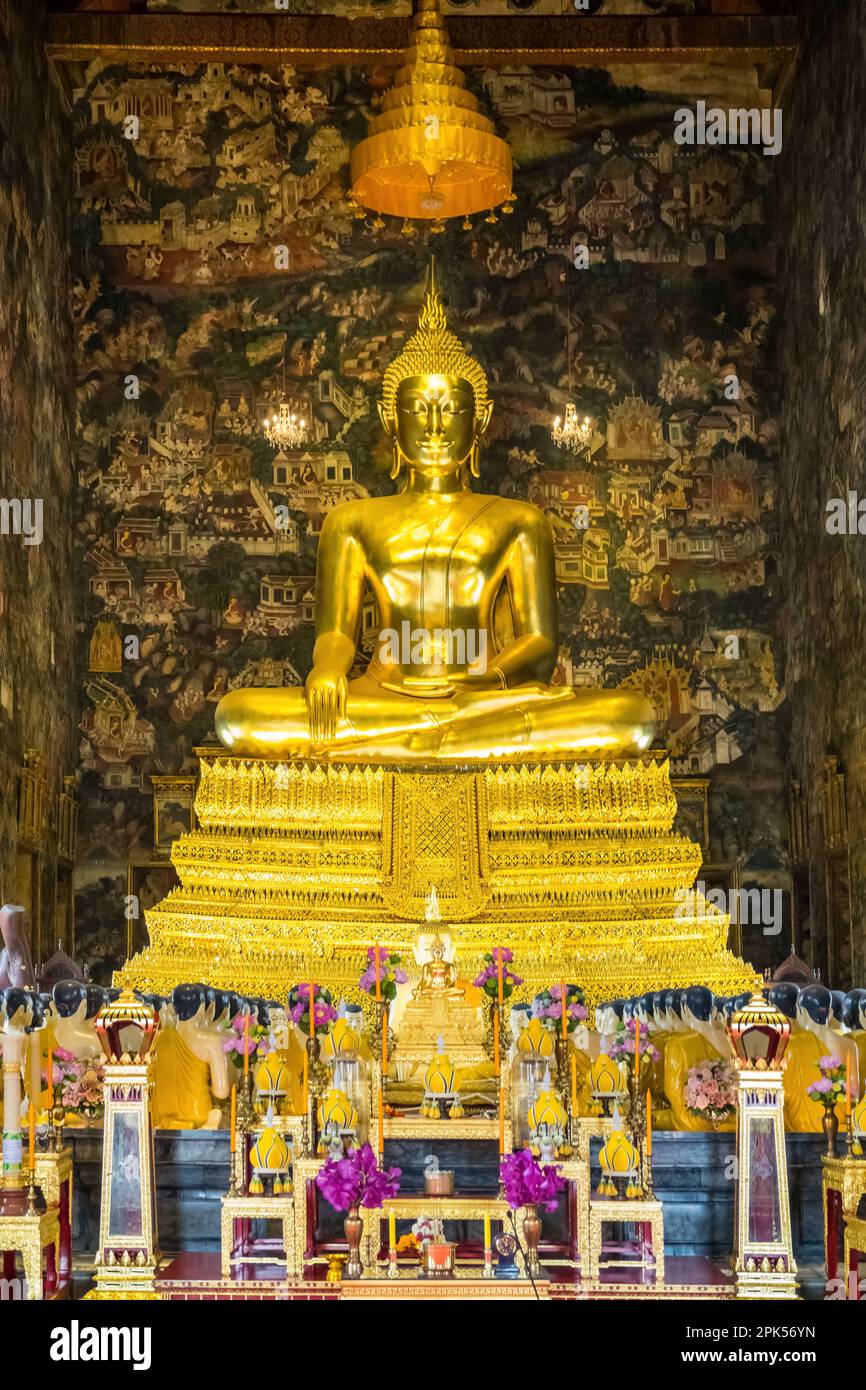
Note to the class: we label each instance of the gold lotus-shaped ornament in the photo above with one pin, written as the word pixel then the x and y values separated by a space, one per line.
pixel 272 1076
pixel 618 1156
pixel 340 1042
pixel 605 1077
pixel 439 1076
pixel 547 1110
pixel 336 1108
pixel 535 1040
pixel 270 1153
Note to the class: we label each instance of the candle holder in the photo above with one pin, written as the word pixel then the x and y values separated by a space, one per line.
pixel 246 1109
pixel 562 1052
pixel 234 1185
pixel 393 1271
pixel 31 1192
pixel 487 1272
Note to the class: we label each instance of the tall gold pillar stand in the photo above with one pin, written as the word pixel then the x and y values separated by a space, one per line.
pixel 764 1254
pixel 127 1258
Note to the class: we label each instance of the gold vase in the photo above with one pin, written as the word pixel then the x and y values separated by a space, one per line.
pixel 353 1226
pixel 532 1235
pixel 830 1126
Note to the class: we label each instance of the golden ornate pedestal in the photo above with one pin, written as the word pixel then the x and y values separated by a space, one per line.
pixel 645 1213
pixel 31 1234
pixel 297 867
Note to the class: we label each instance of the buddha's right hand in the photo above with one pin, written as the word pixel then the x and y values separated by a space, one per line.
pixel 326 702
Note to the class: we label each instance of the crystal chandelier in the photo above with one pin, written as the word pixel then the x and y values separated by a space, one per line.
pixel 286 428
pixel 573 432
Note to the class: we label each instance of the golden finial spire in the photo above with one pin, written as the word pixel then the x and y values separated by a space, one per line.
pixel 432 316
pixel 433 350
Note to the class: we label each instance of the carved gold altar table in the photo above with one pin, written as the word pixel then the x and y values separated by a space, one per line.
pixel 55 1180
pixel 236 1214
pixel 31 1234
pixel 421 1127
pixel 304 1174
pixel 855 1244
pixel 643 1212
pixel 469 1207
pixel 576 1171
pixel 843 1183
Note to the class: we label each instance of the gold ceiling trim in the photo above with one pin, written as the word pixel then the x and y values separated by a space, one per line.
pixel 542 40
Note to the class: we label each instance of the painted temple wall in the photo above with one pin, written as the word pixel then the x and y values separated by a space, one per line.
pixel 37 681
pixel 823 361
pixel 183 323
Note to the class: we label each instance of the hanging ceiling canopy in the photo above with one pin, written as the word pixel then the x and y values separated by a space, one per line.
pixel 430 152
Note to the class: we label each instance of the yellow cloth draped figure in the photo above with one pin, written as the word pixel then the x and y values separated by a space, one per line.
pixel 293 1057
pixel 181 1084
pixel 802 1114
pixel 41 1040
pixel 465 586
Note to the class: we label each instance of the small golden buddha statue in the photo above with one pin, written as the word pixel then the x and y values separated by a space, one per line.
pixel 440 1008
pixel 465 586
pixel 438 975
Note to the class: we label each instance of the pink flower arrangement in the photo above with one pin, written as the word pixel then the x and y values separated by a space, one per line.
pixel 527 1183
pixel 548 1005
pixel 357 1180
pixel 77 1085
pixel 830 1088
pixel 710 1090
pixel 488 980
pixel 390 974
pixel 234 1043
pixel 324 1012
pixel 622 1046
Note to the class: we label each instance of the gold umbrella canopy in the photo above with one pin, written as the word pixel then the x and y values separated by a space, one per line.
pixel 431 152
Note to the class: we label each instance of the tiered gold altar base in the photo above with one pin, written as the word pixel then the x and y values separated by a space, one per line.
pixel 297 867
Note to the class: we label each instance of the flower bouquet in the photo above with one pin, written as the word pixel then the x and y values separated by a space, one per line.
pixel 530 1184
pixel 324 1013
pixel 711 1090
pixel 623 1045
pixel 77 1085
pixel 390 974
pixel 828 1090
pixel 498 961
pixel 255 1042
pixel 548 1006
pixel 353 1182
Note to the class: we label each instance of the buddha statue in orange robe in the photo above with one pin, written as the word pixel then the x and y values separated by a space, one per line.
pixel 811 1038
pixel 190 1067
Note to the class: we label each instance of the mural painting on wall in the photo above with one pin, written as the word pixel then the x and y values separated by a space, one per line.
pixel 219 264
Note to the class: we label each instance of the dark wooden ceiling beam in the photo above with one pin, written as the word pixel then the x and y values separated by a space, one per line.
pixel 487 41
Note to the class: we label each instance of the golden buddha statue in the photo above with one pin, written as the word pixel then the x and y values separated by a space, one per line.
pixel 465 586
pixel 438 975
pixel 440 1009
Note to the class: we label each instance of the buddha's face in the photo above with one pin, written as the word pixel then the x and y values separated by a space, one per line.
pixel 436 423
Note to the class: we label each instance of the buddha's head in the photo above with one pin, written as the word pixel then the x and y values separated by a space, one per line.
pixel 434 404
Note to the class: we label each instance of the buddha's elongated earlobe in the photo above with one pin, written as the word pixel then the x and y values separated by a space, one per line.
pixel 396 461
pixel 474 460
